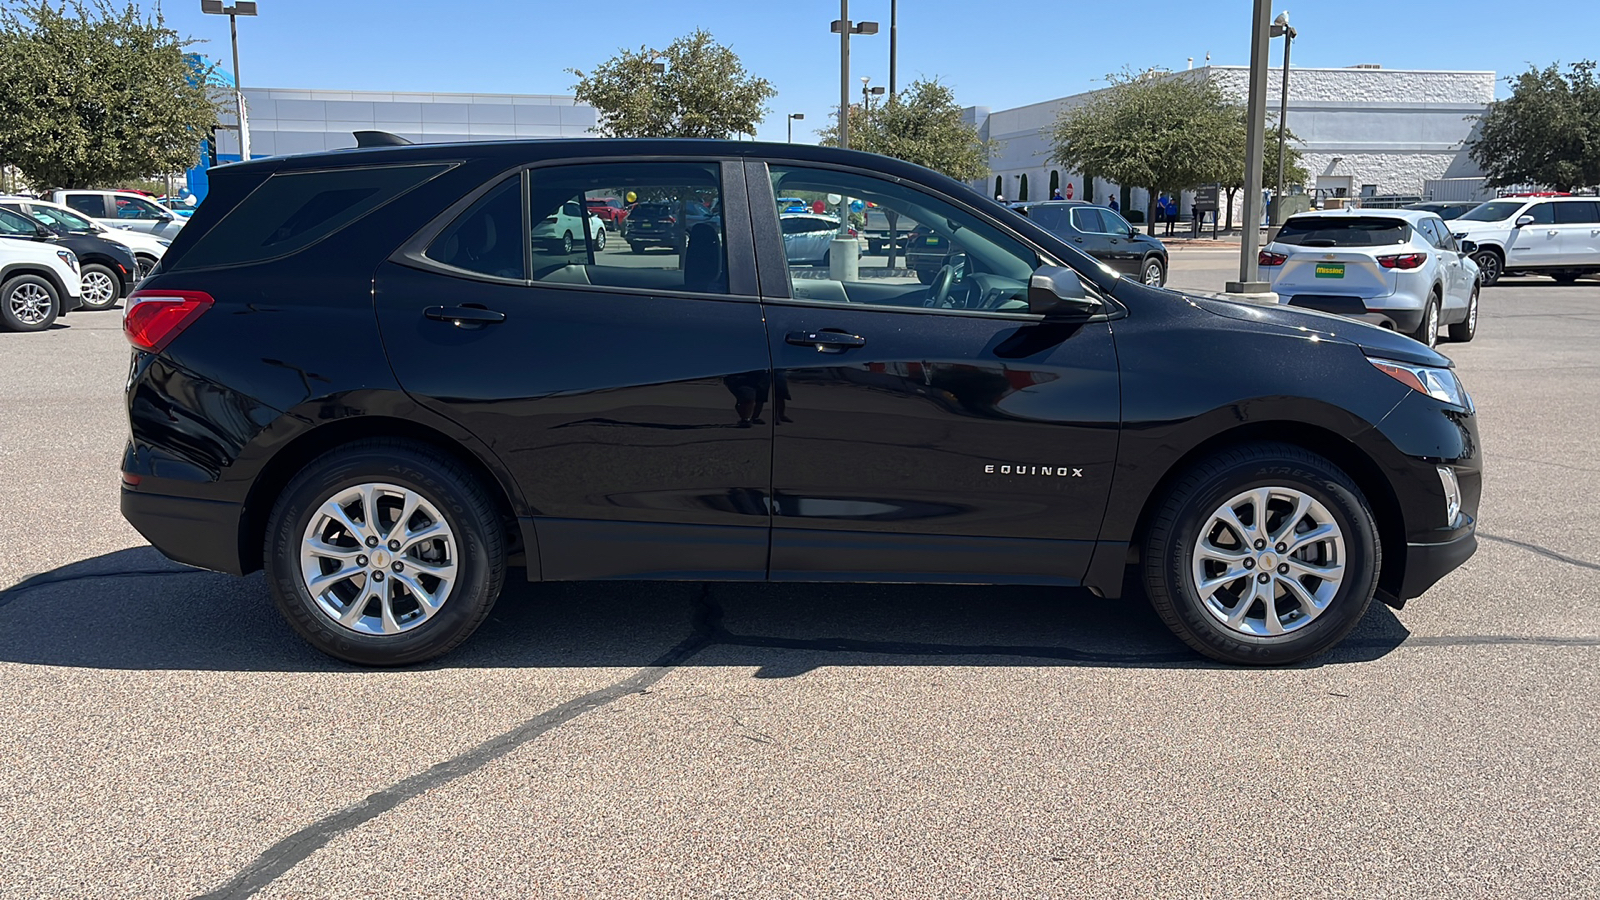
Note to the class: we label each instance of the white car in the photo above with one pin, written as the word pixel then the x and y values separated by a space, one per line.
pixel 807 237
pixel 1555 236
pixel 147 249
pixel 1398 268
pixel 122 209
pixel 38 283
pixel 564 228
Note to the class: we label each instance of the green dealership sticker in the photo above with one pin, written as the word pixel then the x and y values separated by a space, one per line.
pixel 1330 270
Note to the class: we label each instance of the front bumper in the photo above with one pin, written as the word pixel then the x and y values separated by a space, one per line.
pixel 1427 563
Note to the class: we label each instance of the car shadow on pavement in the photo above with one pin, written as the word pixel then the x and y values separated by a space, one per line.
pixel 133 609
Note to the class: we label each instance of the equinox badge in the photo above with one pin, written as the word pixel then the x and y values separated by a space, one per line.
pixel 1053 471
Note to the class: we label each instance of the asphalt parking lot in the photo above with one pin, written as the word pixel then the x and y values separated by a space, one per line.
pixel 166 735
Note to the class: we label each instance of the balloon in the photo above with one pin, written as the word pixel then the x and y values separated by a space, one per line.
pixel 632 197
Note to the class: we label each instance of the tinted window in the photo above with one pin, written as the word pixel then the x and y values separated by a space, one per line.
pixel 1114 223
pixel 1445 240
pixel 1051 218
pixel 12 223
pixel 135 208
pixel 976 265
pixel 1343 231
pixel 1429 232
pixel 1542 213
pixel 1579 212
pixel 487 238
pixel 91 205
pixel 293 210
pixel 1087 219
pixel 672 239
pixel 52 216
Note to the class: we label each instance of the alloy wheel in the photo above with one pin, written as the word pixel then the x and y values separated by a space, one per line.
pixel 1152 274
pixel 30 303
pixel 99 291
pixel 1268 562
pixel 1488 267
pixel 1432 324
pixel 378 559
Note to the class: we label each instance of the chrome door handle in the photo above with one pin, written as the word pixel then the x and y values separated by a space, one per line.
pixel 464 315
pixel 825 341
pixel 1552 233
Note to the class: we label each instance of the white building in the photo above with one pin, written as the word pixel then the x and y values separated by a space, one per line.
pixel 1363 131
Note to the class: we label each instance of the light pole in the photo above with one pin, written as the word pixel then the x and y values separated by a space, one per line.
pixel 866 92
pixel 792 117
pixel 844 28
pixel 239 8
pixel 1281 26
pixel 1255 124
pixel 894 40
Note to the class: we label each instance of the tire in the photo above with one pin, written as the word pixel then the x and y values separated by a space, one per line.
pixel 29 303
pixel 1565 277
pixel 1428 329
pixel 566 243
pixel 637 248
pixel 1154 273
pixel 146 263
pixel 1467 329
pixel 1490 266
pixel 102 288
pixel 472 551
pixel 1189 522
pixel 600 240
pixel 824 262
pixel 874 248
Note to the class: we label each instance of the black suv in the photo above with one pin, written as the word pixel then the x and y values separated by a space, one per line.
pixel 1103 234
pixel 356 370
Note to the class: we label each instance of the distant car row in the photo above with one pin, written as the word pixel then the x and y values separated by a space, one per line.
pixel 1539 234
pixel 56 258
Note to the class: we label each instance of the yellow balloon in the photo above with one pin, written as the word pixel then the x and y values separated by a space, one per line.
pixel 632 197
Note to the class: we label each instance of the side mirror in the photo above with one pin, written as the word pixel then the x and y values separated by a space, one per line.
pixel 1523 221
pixel 1467 247
pixel 41 233
pixel 1056 292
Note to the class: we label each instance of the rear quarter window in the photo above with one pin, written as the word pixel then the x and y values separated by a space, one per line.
pixel 290 211
pixel 1344 231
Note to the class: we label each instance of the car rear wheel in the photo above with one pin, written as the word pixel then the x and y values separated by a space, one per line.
pixel 1264 554
pixel 1428 329
pixel 1490 266
pixel 28 303
pixel 101 287
pixel 637 248
pixel 1155 274
pixel 600 240
pixel 384 553
pixel 566 243
pixel 1467 329
pixel 145 263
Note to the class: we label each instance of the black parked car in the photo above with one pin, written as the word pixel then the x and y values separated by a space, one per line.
pixel 1447 209
pixel 1103 234
pixel 426 399
pixel 107 268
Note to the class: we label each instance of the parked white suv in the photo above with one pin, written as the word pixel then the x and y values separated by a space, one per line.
pixel 122 209
pixel 1555 236
pixel 1398 268
pixel 147 249
pixel 38 283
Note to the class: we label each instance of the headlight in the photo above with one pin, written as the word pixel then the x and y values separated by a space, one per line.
pixel 1440 384
pixel 70 258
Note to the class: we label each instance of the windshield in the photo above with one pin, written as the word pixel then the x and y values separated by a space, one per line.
pixel 1494 211
pixel 1343 231
pixel 70 221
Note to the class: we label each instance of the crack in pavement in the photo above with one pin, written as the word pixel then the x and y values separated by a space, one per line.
pixel 1542 551
pixel 45 579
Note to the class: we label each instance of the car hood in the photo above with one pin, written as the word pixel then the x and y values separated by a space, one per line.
pixel 1372 340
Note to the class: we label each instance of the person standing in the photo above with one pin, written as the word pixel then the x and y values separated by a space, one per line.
pixel 1055 194
pixel 1112 203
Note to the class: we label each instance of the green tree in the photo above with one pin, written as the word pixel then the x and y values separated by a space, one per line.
pixel 1294 170
pixel 921 125
pixel 1156 131
pixel 1547 132
pixel 696 88
pixel 95 95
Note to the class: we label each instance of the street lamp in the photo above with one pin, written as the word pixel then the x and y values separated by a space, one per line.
pixel 866 92
pixel 239 8
pixel 792 117
pixel 1281 27
pixel 1255 124
pixel 843 27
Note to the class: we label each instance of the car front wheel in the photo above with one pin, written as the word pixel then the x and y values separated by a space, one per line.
pixel 1490 266
pixel 1155 274
pixel 28 303
pixel 384 553
pixel 101 287
pixel 1265 554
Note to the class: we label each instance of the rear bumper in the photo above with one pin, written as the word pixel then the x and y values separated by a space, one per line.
pixel 203 533
pixel 1400 319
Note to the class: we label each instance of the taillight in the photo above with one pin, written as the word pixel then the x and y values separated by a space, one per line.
pixel 1268 258
pixel 852 232
pixel 153 318
pixel 1403 261
pixel 672 220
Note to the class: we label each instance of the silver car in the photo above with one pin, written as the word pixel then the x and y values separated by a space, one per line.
pixel 1399 268
pixel 807 237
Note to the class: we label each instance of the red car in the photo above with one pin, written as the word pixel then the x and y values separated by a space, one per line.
pixel 609 211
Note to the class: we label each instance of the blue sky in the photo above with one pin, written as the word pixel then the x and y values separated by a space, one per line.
pixel 999 53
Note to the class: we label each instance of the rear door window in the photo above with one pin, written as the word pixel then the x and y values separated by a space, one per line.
pixel 1577 212
pixel 91 205
pixel 487 238
pixel 293 210
pixel 1087 220
pixel 1051 218
pixel 1344 231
